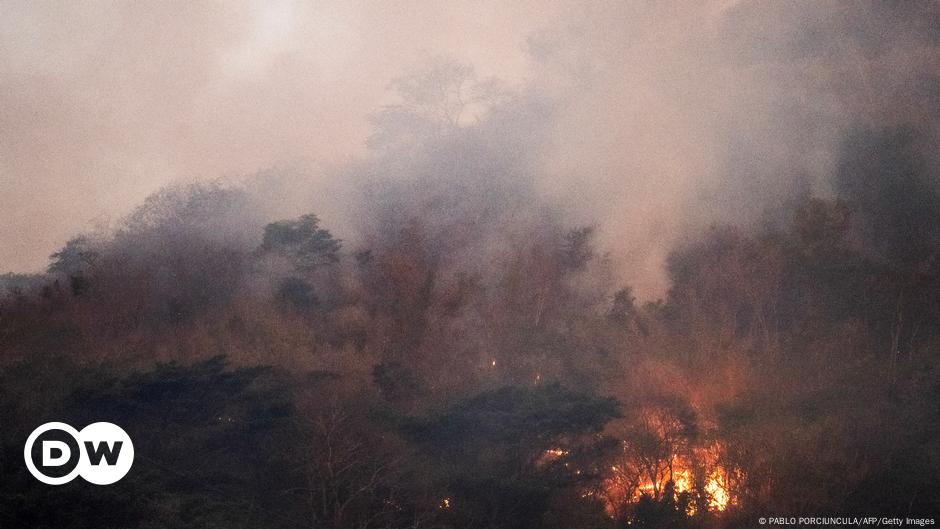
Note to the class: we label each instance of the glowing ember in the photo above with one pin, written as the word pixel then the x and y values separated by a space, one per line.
pixel 551 455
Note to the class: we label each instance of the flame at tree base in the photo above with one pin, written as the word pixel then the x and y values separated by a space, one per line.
pixel 693 483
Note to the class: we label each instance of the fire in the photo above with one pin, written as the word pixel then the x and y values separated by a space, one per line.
pixel 717 490
pixel 692 478
pixel 698 474
pixel 682 481
pixel 551 455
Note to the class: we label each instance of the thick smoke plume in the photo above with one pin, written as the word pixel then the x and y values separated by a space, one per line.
pixel 652 120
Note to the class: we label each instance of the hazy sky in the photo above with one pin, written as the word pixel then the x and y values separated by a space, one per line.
pixel 670 114
pixel 102 103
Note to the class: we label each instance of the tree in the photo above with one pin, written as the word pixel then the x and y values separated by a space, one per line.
pixel 577 250
pixel 74 258
pixel 491 450
pixel 73 261
pixel 433 99
pixel 302 241
pixel 214 448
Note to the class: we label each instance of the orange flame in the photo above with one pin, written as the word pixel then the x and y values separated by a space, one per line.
pixel 626 484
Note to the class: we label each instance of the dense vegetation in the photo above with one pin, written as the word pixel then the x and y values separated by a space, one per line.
pixel 470 362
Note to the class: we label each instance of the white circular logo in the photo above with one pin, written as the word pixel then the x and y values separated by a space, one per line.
pixel 102 453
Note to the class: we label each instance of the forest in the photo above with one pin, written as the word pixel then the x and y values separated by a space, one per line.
pixel 472 362
pixel 665 266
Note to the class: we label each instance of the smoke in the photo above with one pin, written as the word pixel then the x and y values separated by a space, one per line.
pixel 649 121
pixel 679 116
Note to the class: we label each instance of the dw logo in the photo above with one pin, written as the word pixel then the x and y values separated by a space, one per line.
pixel 102 453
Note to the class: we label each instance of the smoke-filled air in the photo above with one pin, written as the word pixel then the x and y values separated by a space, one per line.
pixel 472 265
